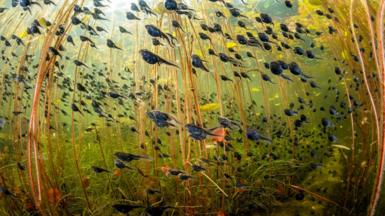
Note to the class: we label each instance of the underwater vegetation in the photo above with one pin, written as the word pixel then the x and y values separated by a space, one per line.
pixel 204 107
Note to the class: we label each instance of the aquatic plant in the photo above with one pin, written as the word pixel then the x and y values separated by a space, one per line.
pixel 187 108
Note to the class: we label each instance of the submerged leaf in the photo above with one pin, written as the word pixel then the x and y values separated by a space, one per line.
pixel 341 147
pixel 230 45
pixel 210 107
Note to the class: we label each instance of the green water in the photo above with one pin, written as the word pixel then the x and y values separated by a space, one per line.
pixel 301 143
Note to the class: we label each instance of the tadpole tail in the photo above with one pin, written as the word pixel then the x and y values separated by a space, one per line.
pixel 168 63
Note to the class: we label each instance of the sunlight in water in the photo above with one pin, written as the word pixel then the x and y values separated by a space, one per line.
pixel 192 107
pixel 120 4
